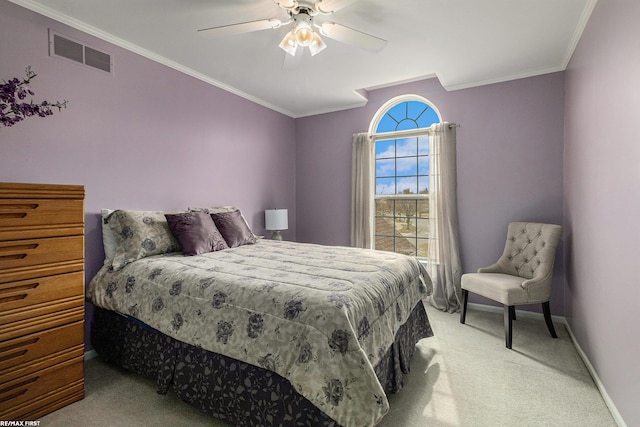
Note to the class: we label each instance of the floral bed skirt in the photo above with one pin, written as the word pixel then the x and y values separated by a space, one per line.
pixel 243 394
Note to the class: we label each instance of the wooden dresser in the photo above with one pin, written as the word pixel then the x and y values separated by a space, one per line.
pixel 41 298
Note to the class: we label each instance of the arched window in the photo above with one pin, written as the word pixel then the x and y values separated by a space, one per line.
pixel 402 175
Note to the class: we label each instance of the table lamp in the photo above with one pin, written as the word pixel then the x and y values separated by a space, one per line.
pixel 276 220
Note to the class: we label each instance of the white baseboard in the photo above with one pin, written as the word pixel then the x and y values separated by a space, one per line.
pixel 561 319
pixel 607 400
pixel 88 355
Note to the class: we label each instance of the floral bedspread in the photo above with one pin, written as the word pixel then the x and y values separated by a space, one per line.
pixel 320 316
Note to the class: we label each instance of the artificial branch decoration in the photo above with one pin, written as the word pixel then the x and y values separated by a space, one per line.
pixel 13 110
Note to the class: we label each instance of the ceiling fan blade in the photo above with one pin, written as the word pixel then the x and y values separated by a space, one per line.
pixel 243 27
pixel 353 37
pixel 330 6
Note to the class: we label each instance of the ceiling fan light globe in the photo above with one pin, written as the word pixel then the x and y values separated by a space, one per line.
pixel 289 44
pixel 304 36
pixel 303 33
pixel 317 45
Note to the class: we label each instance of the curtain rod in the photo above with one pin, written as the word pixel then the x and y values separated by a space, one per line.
pixel 407 133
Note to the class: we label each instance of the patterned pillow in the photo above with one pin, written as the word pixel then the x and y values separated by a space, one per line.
pixel 108 239
pixel 196 232
pixel 233 228
pixel 140 234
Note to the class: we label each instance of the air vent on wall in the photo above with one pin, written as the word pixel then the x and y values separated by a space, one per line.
pixel 66 48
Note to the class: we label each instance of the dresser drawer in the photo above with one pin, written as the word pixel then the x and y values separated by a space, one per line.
pixel 33 218
pixel 24 398
pixel 19 254
pixel 34 297
pixel 66 312
pixel 29 353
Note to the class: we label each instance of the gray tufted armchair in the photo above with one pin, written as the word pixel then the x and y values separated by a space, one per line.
pixel 521 276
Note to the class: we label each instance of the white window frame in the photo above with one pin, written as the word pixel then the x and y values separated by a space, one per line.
pixel 383 136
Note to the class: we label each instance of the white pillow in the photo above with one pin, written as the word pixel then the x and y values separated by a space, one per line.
pixel 108 238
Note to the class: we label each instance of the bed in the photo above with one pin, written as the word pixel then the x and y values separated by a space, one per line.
pixel 259 332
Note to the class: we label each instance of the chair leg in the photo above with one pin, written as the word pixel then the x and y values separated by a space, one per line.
pixel 509 313
pixel 547 318
pixel 463 311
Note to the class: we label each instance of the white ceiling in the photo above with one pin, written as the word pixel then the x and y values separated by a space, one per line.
pixel 463 43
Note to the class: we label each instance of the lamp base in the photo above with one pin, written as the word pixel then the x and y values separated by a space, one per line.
pixel 275 235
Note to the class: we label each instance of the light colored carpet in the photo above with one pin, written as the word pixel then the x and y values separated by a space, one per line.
pixel 464 376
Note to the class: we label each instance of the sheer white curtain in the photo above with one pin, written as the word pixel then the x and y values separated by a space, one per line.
pixel 444 256
pixel 362 148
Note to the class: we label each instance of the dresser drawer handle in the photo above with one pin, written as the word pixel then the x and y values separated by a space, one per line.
pixel 19 207
pixel 13 298
pixel 19 392
pixel 12 215
pixel 19 248
pixel 12 290
pixel 9 352
pixel 14 249
pixel 16 350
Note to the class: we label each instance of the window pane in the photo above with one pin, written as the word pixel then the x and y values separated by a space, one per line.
pixel 406 246
pixel 387 124
pixel 384 227
pixel 422 228
pixel 417 109
pixel 423 208
pixel 385 186
pixel 386 168
pixel 398 111
pixel 407 124
pixel 423 248
pixel 406 147
pixel 428 118
pixel 407 185
pixel 405 227
pixel 423 145
pixel 385 243
pixel 423 184
pixel 423 165
pixel 407 166
pixel 385 149
pixel 405 208
pixel 384 207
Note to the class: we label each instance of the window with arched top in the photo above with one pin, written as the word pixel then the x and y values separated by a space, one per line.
pixel 402 175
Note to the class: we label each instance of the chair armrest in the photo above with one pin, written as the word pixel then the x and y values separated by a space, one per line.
pixel 495 268
pixel 537 281
pixel 538 288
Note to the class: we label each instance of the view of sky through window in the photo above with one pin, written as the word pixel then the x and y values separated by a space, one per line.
pixel 402 165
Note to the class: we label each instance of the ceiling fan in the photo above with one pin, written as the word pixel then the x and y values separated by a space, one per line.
pixel 301 14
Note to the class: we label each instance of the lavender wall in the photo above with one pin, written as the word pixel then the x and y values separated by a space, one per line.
pixel 146 138
pixel 510 149
pixel 602 187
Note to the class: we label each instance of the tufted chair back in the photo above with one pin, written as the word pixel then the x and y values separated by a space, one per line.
pixel 530 250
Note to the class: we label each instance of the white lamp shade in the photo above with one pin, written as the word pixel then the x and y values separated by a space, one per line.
pixel 276 219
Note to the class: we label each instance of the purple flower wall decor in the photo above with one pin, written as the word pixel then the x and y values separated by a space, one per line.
pixel 12 107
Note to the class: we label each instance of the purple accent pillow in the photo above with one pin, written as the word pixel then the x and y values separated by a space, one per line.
pixel 233 228
pixel 196 232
